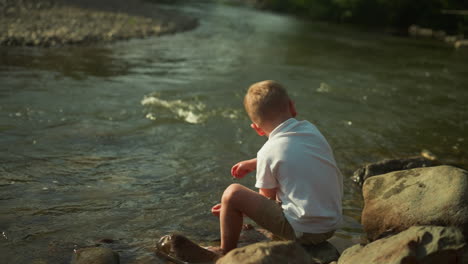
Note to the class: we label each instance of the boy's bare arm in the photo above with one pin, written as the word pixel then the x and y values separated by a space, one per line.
pixel 268 193
pixel 243 168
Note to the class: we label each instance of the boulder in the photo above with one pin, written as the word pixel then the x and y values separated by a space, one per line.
pixel 389 165
pixel 267 252
pixel 417 245
pixel 95 255
pixel 281 252
pixel 178 248
pixel 398 200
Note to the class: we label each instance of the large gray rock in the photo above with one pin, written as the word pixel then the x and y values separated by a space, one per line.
pixel 417 245
pixel 95 255
pixel 267 252
pixel 424 196
pixel 281 252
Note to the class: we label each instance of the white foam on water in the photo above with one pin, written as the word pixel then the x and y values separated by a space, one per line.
pixel 188 111
pixel 324 88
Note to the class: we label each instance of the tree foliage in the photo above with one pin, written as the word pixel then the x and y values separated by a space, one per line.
pixel 398 14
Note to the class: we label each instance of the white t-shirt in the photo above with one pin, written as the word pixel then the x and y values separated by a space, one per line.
pixel 298 161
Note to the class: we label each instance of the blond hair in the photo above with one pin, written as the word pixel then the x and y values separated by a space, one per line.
pixel 266 101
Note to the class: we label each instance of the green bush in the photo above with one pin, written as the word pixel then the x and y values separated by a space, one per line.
pixel 398 14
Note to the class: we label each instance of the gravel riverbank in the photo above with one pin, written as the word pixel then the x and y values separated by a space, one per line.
pixel 62 22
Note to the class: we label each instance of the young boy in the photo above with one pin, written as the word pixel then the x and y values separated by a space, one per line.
pixel 300 185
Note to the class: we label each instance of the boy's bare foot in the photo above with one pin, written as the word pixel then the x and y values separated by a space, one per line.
pixel 217 250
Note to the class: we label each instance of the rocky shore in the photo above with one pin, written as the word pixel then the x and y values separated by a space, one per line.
pixel 415 211
pixel 63 22
pixel 457 41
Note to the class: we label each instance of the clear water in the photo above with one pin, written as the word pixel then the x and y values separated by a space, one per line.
pixel 135 139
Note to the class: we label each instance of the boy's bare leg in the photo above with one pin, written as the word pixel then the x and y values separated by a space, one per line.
pixel 236 201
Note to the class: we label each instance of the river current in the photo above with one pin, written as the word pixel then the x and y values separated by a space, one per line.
pixel 135 139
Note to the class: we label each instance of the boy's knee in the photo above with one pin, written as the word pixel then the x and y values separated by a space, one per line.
pixel 231 192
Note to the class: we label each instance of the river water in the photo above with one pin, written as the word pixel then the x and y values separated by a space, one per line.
pixel 132 140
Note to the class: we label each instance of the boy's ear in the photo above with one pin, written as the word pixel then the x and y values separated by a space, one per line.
pixel 257 129
pixel 292 108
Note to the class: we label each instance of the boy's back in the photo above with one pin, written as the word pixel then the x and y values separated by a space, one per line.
pixel 298 161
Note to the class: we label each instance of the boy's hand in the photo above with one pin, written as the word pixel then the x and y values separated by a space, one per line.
pixel 216 210
pixel 243 168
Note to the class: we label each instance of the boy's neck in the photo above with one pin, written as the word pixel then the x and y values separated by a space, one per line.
pixel 268 127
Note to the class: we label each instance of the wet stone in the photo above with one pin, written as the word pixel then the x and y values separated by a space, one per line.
pixel 95 255
pixel 398 200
